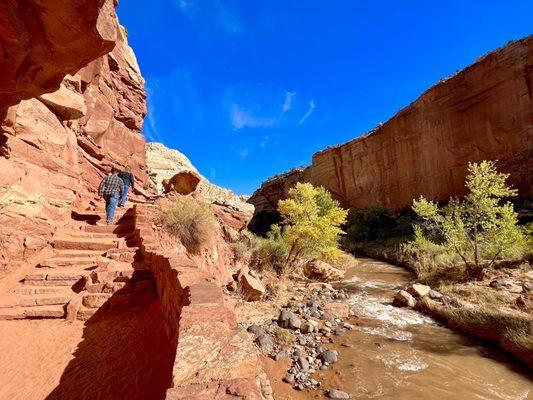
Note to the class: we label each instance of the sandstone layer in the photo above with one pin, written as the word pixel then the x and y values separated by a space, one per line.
pixel 484 112
pixel 163 164
pixel 82 108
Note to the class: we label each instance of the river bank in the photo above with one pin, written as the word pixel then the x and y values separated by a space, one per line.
pixel 392 353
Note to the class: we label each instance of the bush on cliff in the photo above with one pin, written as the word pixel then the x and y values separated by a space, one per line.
pixel 478 230
pixel 193 222
pixel 312 222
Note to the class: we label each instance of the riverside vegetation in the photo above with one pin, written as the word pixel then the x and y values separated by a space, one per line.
pixel 472 250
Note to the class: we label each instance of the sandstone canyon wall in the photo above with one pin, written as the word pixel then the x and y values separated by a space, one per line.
pixel 484 112
pixel 82 108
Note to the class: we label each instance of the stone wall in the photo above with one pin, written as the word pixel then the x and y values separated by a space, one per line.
pixel 484 112
pixel 214 358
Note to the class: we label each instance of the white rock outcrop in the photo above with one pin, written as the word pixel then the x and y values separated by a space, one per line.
pixel 163 163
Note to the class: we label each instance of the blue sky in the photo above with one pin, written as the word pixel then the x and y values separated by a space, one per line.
pixel 248 89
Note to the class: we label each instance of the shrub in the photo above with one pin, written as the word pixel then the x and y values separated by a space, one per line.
pixel 191 221
pixel 369 224
pixel 478 229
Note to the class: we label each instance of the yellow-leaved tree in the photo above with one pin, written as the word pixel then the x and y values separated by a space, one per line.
pixel 311 224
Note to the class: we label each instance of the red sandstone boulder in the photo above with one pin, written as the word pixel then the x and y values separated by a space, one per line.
pixel 418 290
pixel 184 182
pixel 65 103
pixel 252 288
pixel 322 271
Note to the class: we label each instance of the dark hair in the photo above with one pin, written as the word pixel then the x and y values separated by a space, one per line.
pixel 114 170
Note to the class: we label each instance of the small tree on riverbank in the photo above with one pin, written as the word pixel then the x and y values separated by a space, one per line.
pixel 477 228
pixel 312 220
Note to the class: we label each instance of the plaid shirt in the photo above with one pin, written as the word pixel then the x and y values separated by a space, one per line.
pixel 111 184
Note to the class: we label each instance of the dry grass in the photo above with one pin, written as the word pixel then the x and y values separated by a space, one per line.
pixel 480 295
pixel 284 337
pixel 193 222
pixel 484 315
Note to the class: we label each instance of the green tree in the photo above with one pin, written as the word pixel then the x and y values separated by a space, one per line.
pixel 478 228
pixel 312 220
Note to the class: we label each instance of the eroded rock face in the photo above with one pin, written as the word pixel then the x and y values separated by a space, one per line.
pixel 484 112
pixel 58 145
pixel 43 40
pixel 165 164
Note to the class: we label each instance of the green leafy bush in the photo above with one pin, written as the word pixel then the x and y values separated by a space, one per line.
pixel 193 222
pixel 376 224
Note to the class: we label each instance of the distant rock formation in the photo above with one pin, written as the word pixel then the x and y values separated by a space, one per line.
pixel 164 163
pixel 484 112
pixel 72 105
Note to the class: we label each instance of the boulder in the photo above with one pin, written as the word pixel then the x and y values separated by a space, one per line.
pixel 337 308
pixel 319 286
pixel 289 320
pixel 506 284
pixel 265 342
pixel 328 356
pixel 418 290
pixel 65 103
pixel 307 327
pixel 322 271
pixel 184 183
pixel 252 288
pixel 433 294
pixel 403 299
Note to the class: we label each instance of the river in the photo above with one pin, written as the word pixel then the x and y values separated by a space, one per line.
pixel 398 353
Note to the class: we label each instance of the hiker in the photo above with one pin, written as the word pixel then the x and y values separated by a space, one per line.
pixel 129 180
pixel 111 189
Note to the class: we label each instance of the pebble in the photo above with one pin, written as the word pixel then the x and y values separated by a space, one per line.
pixel 311 326
pixel 289 378
pixel 328 356
pixel 265 342
pixel 337 394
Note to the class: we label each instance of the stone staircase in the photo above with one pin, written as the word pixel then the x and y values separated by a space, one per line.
pixel 94 267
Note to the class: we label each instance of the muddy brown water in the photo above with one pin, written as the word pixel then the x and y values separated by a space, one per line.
pixel 397 353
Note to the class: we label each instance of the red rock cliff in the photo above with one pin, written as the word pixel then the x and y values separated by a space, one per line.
pixel 484 112
pixel 82 108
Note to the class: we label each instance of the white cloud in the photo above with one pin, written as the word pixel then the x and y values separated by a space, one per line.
pixel 310 110
pixel 151 131
pixel 240 118
pixel 244 153
pixel 287 105
pixel 214 12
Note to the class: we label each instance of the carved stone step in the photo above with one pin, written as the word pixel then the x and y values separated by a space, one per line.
pixel 73 243
pixel 33 312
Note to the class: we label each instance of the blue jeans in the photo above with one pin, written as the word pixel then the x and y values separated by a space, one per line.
pixel 110 205
pixel 124 196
